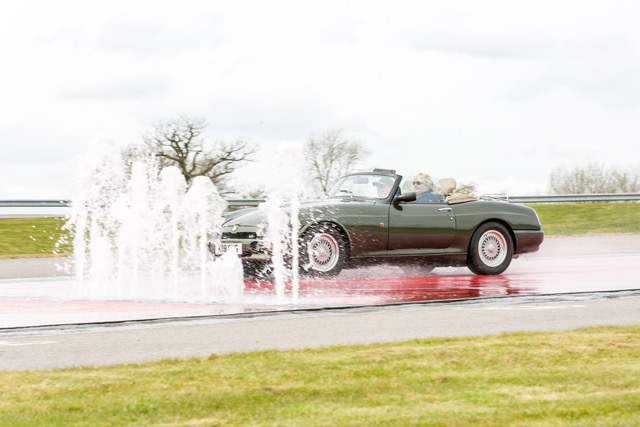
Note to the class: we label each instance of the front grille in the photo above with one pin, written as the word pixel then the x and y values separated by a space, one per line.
pixel 240 236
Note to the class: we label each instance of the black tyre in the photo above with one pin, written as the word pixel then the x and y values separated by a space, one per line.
pixel 426 268
pixel 323 251
pixel 490 250
pixel 257 270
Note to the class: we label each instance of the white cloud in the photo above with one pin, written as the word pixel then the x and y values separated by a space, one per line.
pixel 498 91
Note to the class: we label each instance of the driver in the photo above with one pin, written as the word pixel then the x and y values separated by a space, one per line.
pixel 423 186
pixel 384 187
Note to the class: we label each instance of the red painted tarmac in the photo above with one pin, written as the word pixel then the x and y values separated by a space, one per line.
pixel 50 302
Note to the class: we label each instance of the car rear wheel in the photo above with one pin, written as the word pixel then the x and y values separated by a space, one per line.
pixel 323 251
pixel 491 249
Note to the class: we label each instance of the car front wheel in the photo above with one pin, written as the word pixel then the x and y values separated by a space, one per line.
pixel 491 249
pixel 257 270
pixel 323 251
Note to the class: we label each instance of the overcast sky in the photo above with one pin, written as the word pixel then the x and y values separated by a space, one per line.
pixel 496 92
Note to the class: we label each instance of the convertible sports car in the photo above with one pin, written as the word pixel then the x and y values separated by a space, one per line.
pixel 384 217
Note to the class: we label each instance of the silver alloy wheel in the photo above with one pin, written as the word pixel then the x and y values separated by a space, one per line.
pixel 324 252
pixel 492 248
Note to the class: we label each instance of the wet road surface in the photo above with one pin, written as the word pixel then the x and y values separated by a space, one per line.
pixel 51 301
pixel 592 284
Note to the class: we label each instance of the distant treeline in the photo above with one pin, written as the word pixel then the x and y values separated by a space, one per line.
pixel 594 178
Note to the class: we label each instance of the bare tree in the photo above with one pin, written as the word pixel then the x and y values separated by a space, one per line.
pixel 593 178
pixel 180 142
pixel 331 156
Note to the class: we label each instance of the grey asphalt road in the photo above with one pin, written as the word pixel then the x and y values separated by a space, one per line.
pixel 66 348
pixel 137 343
pixel 34 267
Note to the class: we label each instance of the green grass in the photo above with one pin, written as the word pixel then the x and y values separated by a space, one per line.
pixel 580 378
pixel 32 237
pixel 588 218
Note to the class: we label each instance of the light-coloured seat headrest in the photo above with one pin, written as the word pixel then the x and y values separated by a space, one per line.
pixel 446 186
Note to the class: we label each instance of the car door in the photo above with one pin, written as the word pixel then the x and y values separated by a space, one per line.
pixel 367 225
pixel 416 228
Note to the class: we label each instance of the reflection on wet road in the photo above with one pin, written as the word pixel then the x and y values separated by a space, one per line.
pixel 534 276
pixel 46 302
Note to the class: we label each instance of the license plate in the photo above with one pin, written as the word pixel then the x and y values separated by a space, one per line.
pixel 224 248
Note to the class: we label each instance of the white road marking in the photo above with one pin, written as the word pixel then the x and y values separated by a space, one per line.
pixel 14 344
pixel 527 307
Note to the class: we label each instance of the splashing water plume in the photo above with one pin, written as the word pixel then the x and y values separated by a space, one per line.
pixel 143 234
pixel 281 211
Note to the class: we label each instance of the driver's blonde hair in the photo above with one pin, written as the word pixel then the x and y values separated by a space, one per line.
pixel 424 177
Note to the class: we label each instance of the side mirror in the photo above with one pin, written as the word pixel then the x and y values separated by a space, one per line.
pixel 406 197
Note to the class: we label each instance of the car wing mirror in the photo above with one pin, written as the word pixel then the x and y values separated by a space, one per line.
pixel 406 197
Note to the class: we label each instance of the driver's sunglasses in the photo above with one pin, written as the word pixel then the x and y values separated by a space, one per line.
pixel 419 182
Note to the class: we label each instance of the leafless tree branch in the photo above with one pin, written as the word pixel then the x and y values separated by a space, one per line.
pixel 331 156
pixel 181 142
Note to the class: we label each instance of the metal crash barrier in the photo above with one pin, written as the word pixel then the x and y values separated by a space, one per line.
pixel 38 206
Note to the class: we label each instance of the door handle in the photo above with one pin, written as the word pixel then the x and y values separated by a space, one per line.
pixel 448 210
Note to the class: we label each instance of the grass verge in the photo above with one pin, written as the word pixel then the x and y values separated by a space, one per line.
pixel 584 377
pixel 33 237
pixel 588 218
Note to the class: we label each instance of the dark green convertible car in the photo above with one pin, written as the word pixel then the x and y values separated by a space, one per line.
pixel 384 217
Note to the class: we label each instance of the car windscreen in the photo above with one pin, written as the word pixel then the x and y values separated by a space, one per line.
pixel 366 186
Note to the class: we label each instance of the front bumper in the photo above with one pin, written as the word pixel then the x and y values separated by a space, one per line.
pixel 528 241
pixel 253 247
